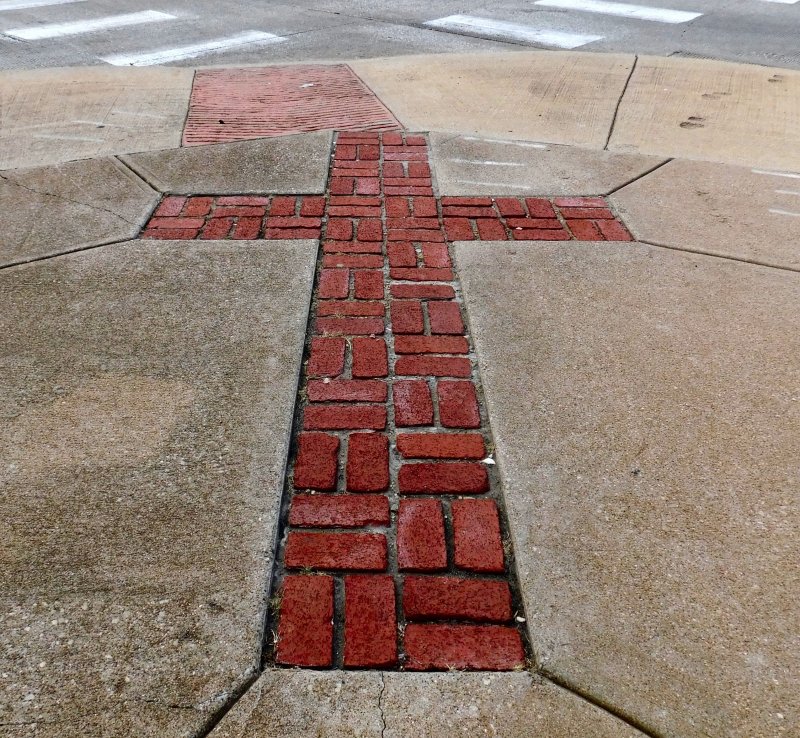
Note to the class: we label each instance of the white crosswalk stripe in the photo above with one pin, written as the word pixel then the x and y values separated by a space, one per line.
pixel 624 10
pixel 504 31
pixel 782 2
pixel 25 4
pixel 149 58
pixel 54 30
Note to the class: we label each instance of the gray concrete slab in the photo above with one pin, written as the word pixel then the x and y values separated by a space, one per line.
pixel 51 210
pixel 57 115
pixel 712 111
pixel 717 209
pixel 646 416
pixel 146 410
pixel 565 97
pixel 474 165
pixel 289 164
pixel 296 704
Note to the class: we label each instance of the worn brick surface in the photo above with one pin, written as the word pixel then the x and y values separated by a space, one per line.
pixel 370 625
pixel 327 357
pixel 420 536
pixel 458 404
pixel 367 462
pixel 347 390
pixel 476 536
pixel 338 511
pixel 370 358
pixel 412 402
pixel 316 464
pixel 353 551
pixel 345 417
pixel 477 647
pixel 454 598
pixel 443 478
pixel 441 445
pixel 305 634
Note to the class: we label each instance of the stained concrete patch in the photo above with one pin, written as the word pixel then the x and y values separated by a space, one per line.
pixel 473 165
pixel 56 115
pixel 146 415
pixel 288 164
pixel 550 96
pixel 646 415
pixel 711 110
pixel 717 209
pixel 297 703
pixel 51 210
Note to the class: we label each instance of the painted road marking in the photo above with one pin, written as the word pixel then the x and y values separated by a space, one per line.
pixel 23 4
pixel 488 163
pixel 165 56
pixel 770 173
pixel 54 30
pixel 783 2
pixel 778 211
pixel 624 10
pixel 523 144
pixel 504 31
pixel 788 192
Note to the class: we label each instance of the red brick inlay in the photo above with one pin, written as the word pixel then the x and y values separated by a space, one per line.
pixel 394 547
pixel 241 104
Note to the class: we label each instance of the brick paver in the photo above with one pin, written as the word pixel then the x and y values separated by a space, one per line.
pixel 393 552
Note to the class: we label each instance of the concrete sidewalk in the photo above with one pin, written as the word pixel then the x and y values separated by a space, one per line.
pixel 642 397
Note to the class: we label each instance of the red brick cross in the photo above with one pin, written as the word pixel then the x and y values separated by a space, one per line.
pixel 394 549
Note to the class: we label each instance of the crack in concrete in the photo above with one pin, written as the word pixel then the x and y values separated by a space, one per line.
pixel 380 704
pixel 66 199
pixel 619 102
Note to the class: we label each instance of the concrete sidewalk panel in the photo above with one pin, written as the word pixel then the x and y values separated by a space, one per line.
pixel 549 96
pixel 646 417
pixel 711 110
pixel 146 414
pixel 57 115
pixel 296 704
pixel 717 209
pixel 473 165
pixel 288 164
pixel 51 210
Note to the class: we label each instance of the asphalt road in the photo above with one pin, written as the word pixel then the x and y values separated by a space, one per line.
pixel 52 33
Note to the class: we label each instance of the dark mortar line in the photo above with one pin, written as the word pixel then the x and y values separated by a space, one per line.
pixel 230 702
pixel 638 177
pixel 619 102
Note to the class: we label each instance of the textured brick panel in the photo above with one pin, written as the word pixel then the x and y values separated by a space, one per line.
pixel 305 635
pixel 420 536
pixel 370 625
pixel 256 103
pixel 476 536
pixel 453 598
pixel 478 647
pixel 360 551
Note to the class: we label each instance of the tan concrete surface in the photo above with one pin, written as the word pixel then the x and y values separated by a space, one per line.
pixel 57 115
pixel 288 164
pixel 145 420
pixel 716 209
pixel 646 416
pixel 711 110
pixel 550 96
pixel 301 703
pixel 50 210
pixel 473 165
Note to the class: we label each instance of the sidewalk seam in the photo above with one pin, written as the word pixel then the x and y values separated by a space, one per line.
pixel 639 176
pixel 599 704
pixel 619 102
pixel 728 257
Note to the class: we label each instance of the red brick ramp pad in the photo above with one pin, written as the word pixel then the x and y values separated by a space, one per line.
pixel 240 104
